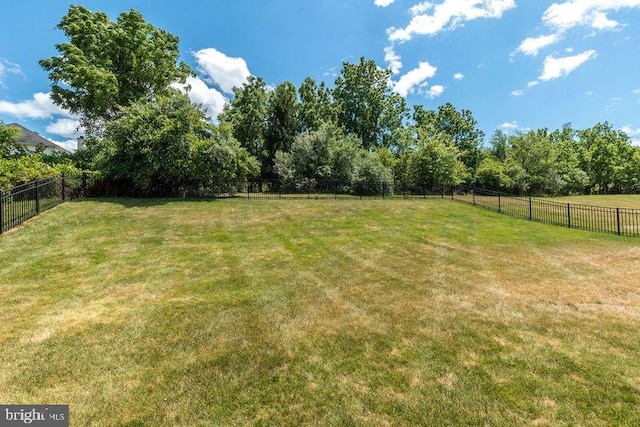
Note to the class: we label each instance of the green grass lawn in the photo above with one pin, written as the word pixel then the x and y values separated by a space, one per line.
pixel 373 312
pixel 612 201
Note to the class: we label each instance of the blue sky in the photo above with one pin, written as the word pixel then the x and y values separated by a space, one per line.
pixel 516 64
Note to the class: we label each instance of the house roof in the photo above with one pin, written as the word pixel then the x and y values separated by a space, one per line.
pixel 28 137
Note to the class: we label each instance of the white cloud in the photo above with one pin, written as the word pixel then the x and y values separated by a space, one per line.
pixel 225 71
pixel 446 15
pixel 560 67
pixel 508 126
pixel 383 3
pixel 602 22
pixel 421 8
pixel 564 16
pixel 634 134
pixel 393 59
pixel 533 83
pixel 458 76
pixel 40 107
pixel 67 128
pixel 413 78
pixel 435 91
pixel 211 100
pixel 533 45
pixel 68 144
pixel 518 92
pixel 7 67
pixel 613 102
pixel 630 131
pixel 591 13
pixel 636 92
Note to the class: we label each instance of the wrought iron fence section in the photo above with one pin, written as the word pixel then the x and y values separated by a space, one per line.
pixel 23 202
pixel 620 221
pixel 323 190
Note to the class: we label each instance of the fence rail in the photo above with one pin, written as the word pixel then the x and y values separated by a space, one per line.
pixel 18 204
pixel 23 202
pixel 328 190
pixel 620 221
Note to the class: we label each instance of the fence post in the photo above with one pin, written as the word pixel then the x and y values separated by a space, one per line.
pixel 64 185
pixel 569 215
pixel 530 209
pixel 37 196
pixel 452 192
pixel 473 193
pixel 499 203
pixel 618 218
pixel 1 211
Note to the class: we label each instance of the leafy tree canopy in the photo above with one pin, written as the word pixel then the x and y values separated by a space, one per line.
pixel 247 115
pixel 8 137
pixel 167 146
pixel 367 107
pixel 106 65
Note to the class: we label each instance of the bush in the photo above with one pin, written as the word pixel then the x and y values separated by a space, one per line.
pixel 24 169
pixel 372 178
pixel 435 165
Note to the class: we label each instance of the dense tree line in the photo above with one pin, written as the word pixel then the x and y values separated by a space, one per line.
pixel 356 130
pixel 600 159
pixel 424 151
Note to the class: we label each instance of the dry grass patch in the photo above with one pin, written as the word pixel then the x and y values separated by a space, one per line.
pixel 612 201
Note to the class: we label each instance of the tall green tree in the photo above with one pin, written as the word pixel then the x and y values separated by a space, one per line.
pixel 367 107
pixel 435 164
pixel 631 172
pixel 149 144
pixel 574 180
pixel 168 147
pixel 282 124
pixel 461 126
pixel 106 65
pixel 316 105
pixel 492 174
pixel 247 115
pixel 499 143
pixel 533 162
pixel 605 151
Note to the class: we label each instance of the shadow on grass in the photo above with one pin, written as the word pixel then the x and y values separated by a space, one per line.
pixel 143 202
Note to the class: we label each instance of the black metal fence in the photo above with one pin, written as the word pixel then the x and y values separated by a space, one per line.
pixel 327 190
pixel 620 221
pixel 25 201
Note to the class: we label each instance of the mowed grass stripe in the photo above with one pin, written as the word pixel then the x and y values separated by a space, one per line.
pixel 235 312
